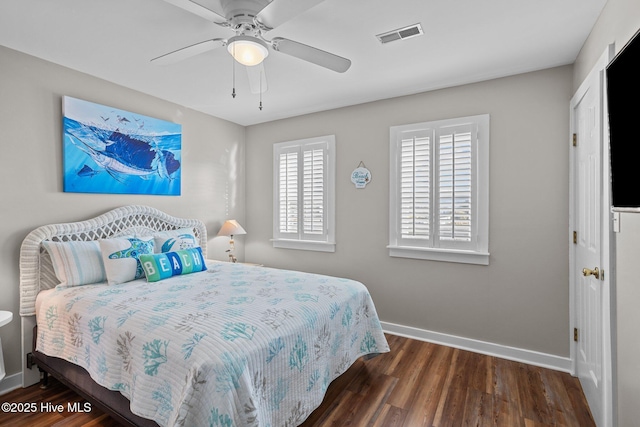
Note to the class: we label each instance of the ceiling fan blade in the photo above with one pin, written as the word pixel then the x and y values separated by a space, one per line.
pixel 311 54
pixel 188 52
pixel 279 11
pixel 198 9
pixel 257 78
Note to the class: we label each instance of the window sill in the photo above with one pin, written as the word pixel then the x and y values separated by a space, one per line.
pixel 304 245
pixel 446 255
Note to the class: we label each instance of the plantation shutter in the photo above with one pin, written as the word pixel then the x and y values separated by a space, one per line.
pixel 304 204
pixel 455 184
pixel 313 191
pixel 288 192
pixel 415 183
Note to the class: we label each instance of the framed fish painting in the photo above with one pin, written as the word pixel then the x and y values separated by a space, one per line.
pixel 107 150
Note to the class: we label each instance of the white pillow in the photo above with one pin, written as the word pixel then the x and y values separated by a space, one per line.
pixel 175 240
pixel 120 257
pixel 76 262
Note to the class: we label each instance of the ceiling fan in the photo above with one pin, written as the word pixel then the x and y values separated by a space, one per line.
pixel 250 20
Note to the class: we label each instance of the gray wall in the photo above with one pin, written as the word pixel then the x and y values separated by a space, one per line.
pixel 618 22
pixel 521 298
pixel 31 167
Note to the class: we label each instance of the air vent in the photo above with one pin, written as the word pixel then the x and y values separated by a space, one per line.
pixel 401 34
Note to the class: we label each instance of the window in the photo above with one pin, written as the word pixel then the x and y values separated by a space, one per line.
pixel 304 194
pixel 439 190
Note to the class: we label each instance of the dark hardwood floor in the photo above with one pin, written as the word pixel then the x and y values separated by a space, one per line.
pixel 416 384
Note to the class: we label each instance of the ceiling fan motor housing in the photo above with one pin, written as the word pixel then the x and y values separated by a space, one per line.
pixel 242 10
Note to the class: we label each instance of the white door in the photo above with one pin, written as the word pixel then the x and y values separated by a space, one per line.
pixel 590 250
pixel 588 290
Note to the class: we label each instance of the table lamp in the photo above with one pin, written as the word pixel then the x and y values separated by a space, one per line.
pixel 231 228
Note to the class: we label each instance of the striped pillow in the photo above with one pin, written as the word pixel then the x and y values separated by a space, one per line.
pixel 76 263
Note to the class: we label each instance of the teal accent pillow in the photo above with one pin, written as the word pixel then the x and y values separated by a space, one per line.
pixel 120 257
pixel 162 266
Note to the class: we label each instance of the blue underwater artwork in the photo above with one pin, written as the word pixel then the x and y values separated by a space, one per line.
pixel 107 150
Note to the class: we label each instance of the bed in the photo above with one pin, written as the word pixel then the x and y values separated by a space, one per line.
pixel 132 315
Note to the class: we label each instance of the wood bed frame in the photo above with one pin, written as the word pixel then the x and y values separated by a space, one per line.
pixel 36 274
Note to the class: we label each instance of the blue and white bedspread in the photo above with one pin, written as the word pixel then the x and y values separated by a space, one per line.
pixel 235 345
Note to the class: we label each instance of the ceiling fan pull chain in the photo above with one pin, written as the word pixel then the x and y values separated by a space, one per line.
pixel 260 107
pixel 233 74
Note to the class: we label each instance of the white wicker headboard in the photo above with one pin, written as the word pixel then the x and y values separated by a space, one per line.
pixel 36 270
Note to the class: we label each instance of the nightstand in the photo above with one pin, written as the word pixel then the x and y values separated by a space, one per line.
pixel 5 317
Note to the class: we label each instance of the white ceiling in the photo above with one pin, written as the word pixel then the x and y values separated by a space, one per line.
pixel 465 41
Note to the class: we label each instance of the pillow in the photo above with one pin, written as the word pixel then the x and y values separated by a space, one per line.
pixel 162 266
pixel 76 263
pixel 120 257
pixel 175 240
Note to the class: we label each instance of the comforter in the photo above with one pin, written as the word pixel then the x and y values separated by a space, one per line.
pixel 235 345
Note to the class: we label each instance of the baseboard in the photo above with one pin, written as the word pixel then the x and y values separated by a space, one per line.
pixel 505 352
pixel 10 382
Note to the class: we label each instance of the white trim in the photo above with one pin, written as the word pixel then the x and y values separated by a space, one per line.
pixel 10 383
pixel 515 354
pixel 304 245
pixel 608 263
pixel 632 210
pixel 434 254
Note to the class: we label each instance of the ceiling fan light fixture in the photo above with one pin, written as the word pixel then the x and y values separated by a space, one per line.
pixel 247 50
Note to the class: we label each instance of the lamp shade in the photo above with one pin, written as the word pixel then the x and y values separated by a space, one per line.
pixel 247 50
pixel 231 228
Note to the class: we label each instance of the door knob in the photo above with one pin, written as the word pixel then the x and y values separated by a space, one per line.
pixel 588 272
